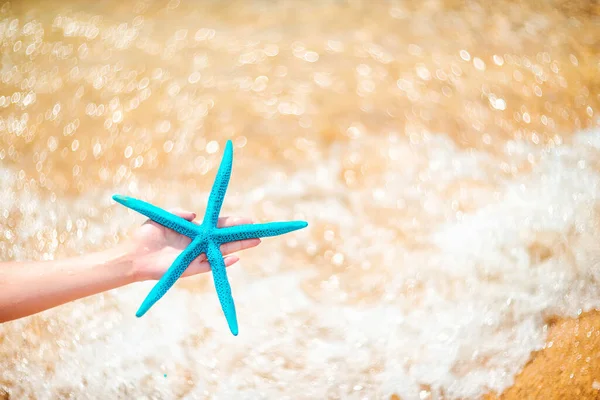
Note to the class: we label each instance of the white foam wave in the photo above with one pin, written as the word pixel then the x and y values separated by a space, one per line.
pixel 474 314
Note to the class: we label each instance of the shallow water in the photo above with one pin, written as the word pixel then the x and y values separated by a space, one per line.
pixel 446 155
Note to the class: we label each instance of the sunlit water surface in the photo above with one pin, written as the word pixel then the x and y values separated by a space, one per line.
pixel 446 155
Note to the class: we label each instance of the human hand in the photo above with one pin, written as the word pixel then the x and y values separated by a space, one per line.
pixel 155 247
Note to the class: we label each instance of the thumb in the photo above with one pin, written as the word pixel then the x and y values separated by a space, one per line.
pixel 187 215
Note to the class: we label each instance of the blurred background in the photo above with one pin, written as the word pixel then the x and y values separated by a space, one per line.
pixel 445 153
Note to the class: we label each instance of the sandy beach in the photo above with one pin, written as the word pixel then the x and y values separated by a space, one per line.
pixel 569 366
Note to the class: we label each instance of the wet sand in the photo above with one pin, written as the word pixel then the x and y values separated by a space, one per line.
pixel 569 366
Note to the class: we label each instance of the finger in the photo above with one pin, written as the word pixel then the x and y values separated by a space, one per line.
pixel 232 221
pixel 200 267
pixel 230 260
pixel 232 247
pixel 228 248
pixel 187 215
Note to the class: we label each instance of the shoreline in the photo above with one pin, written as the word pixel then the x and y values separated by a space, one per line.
pixel 568 367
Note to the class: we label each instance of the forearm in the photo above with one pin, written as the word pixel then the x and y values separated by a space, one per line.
pixel 30 287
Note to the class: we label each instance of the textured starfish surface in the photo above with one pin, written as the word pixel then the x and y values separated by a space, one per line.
pixel 206 238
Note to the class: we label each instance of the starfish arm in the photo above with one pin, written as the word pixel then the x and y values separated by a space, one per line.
pixel 215 259
pixel 170 277
pixel 158 215
pixel 217 194
pixel 252 231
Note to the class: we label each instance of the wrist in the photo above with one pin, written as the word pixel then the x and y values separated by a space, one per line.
pixel 124 259
pixel 136 260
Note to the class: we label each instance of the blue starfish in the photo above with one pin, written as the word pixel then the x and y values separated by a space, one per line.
pixel 206 238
